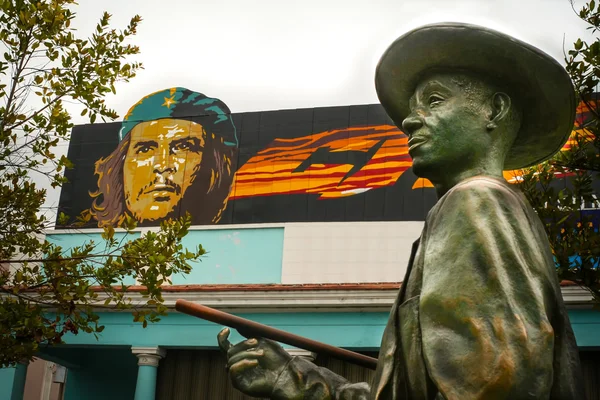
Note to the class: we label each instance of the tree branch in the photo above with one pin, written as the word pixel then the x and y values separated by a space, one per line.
pixel 15 79
pixel 54 100
pixel 67 258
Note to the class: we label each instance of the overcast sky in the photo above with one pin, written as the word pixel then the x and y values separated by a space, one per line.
pixel 279 54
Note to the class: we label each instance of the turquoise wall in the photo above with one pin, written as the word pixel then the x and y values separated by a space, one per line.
pixel 7 377
pixel 108 370
pixel 235 256
pixel 586 325
pixel 360 330
pixel 12 382
pixel 69 241
pixel 103 373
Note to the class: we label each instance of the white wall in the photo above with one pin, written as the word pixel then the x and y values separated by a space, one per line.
pixel 347 252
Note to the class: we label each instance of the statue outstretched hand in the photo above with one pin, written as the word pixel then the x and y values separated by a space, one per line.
pixel 254 365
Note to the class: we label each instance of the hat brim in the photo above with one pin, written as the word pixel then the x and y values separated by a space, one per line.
pixel 540 83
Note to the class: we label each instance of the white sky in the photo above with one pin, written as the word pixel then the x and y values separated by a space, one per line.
pixel 276 54
pixel 280 54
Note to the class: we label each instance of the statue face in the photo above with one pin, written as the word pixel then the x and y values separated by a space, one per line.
pixel 446 127
pixel 160 165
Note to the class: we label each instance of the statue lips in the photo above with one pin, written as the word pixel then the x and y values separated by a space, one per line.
pixel 414 142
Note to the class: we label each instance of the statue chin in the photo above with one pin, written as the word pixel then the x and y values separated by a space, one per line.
pixel 424 170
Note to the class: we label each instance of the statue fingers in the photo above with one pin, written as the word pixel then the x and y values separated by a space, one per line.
pixel 223 340
pixel 242 366
pixel 251 354
pixel 245 376
pixel 242 346
pixel 271 344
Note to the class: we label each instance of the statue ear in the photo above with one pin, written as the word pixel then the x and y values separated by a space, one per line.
pixel 500 107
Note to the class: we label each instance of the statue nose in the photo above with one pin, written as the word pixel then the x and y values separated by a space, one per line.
pixel 411 124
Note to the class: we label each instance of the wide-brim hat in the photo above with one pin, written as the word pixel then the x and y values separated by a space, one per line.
pixel 542 86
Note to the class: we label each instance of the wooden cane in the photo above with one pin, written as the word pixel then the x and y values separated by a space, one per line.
pixel 251 329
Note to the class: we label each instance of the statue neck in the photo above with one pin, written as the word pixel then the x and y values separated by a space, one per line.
pixel 442 186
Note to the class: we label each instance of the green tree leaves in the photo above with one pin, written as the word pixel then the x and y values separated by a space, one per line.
pixel 46 291
pixel 573 230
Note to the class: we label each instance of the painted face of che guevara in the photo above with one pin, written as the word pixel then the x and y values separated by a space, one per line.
pixel 161 164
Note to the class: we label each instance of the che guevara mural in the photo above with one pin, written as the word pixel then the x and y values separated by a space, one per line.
pixel 178 151
pixel 173 144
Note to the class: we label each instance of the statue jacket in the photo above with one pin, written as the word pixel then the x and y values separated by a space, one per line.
pixel 479 315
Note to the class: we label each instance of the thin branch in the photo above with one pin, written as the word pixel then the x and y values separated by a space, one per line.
pixel 54 100
pixel 35 70
pixel 26 167
pixel 15 79
pixel 33 140
pixel 47 281
pixel 67 258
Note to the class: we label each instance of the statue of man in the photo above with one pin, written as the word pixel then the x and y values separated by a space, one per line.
pixel 480 313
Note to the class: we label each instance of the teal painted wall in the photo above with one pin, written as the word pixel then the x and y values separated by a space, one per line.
pixel 361 330
pixel 104 373
pixel 12 382
pixel 586 325
pixel 108 369
pixel 7 377
pixel 69 241
pixel 234 255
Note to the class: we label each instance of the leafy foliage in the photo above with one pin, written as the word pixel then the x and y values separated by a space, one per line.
pixel 47 291
pixel 563 189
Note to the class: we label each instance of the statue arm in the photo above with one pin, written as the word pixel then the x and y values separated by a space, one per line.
pixel 302 379
pixel 487 282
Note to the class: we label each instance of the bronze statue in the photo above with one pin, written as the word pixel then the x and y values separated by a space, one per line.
pixel 480 313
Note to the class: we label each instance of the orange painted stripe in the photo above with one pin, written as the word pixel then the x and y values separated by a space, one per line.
pixel 270 171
